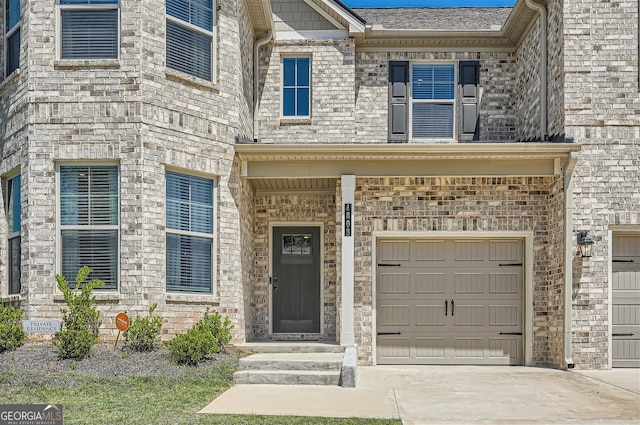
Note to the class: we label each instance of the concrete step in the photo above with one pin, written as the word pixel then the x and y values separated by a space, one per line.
pixel 292 361
pixel 289 377
pixel 290 347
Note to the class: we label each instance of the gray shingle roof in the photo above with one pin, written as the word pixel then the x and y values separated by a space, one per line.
pixel 457 18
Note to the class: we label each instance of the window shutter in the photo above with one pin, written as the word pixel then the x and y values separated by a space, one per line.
pixel 398 101
pixel 469 95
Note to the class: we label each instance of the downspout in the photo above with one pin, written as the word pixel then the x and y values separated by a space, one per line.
pixel 256 80
pixel 543 66
pixel 568 260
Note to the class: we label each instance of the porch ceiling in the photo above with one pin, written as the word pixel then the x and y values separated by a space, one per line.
pixel 296 161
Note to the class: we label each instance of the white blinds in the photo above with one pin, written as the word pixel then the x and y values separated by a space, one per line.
pixel 89 221
pixel 89 32
pixel 190 218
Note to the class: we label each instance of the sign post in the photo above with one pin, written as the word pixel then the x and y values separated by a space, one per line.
pixel 122 323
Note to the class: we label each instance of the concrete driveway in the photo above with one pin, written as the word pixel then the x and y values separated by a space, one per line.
pixel 453 394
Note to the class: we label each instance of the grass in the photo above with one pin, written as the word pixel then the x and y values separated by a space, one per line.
pixel 88 399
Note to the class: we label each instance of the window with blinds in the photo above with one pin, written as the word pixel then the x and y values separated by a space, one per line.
pixel 189 43
pixel 89 218
pixel 14 224
pixel 190 232
pixel 89 29
pixel 12 36
pixel 432 101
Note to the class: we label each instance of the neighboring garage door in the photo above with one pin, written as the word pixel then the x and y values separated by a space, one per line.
pixel 449 302
pixel 626 301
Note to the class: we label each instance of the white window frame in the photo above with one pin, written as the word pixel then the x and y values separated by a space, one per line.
pixel 212 236
pixel 191 27
pixel 296 56
pixel 8 33
pixel 453 101
pixel 65 7
pixel 60 227
pixel 8 181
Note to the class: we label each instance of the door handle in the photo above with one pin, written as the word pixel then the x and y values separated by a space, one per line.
pixel 446 307
pixel 274 281
pixel 452 307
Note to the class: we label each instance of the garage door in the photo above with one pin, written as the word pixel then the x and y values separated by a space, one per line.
pixel 626 301
pixel 449 302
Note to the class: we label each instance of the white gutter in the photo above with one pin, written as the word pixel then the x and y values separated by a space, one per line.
pixel 543 66
pixel 568 260
pixel 256 78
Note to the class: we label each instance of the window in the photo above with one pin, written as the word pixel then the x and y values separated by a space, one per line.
pixel 190 37
pixel 89 221
pixel 89 29
pixel 14 223
pixel 427 101
pixel 12 36
pixel 296 87
pixel 432 101
pixel 190 219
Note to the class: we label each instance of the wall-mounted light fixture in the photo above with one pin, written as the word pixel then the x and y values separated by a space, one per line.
pixel 585 243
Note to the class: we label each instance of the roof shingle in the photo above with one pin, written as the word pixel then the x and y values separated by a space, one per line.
pixel 458 18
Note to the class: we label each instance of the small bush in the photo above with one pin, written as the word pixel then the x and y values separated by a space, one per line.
pixel 144 332
pixel 80 320
pixel 206 337
pixel 11 334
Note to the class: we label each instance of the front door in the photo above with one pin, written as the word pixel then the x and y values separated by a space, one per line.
pixel 295 280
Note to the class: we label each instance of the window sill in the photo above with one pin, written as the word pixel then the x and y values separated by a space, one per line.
pixel 285 122
pixel 10 78
pixel 182 77
pixel 192 298
pixel 11 299
pixel 100 297
pixel 86 63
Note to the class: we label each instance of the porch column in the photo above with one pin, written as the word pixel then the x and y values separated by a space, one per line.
pixel 347 337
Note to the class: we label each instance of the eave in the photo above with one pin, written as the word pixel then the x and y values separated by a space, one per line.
pixel 293 161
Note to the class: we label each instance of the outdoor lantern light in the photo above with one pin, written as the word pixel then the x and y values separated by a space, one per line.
pixel 585 243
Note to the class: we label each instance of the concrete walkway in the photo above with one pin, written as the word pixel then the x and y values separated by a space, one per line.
pixel 453 394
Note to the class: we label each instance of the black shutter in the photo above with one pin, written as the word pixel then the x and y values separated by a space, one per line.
pixel 398 101
pixel 469 80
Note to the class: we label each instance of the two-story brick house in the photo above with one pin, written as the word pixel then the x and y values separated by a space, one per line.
pixel 409 181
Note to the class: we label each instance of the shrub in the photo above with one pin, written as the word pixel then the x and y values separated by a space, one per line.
pixel 80 320
pixel 144 332
pixel 11 334
pixel 206 337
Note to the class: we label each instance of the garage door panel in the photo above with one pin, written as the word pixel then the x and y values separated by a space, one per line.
pixel 395 283
pixel 459 302
pixel 626 301
pixel 394 251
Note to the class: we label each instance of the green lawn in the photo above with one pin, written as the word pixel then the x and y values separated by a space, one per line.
pixel 141 400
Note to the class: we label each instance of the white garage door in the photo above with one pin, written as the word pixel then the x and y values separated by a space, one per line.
pixel 449 302
pixel 626 301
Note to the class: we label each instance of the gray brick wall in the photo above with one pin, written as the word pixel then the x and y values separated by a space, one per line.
pixel 133 112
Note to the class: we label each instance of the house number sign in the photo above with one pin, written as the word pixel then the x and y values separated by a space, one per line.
pixel 347 219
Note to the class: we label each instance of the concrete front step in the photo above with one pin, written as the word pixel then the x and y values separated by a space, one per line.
pixel 289 377
pixel 292 361
pixel 290 347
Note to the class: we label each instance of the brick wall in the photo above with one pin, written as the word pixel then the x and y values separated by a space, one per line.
pixel 465 204
pixel 133 112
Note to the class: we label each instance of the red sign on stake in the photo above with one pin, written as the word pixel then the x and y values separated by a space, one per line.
pixel 122 322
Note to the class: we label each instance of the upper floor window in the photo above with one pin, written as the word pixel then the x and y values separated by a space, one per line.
pixel 89 29
pixel 433 101
pixel 89 228
pixel 190 232
pixel 12 36
pixel 296 87
pixel 14 224
pixel 190 38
